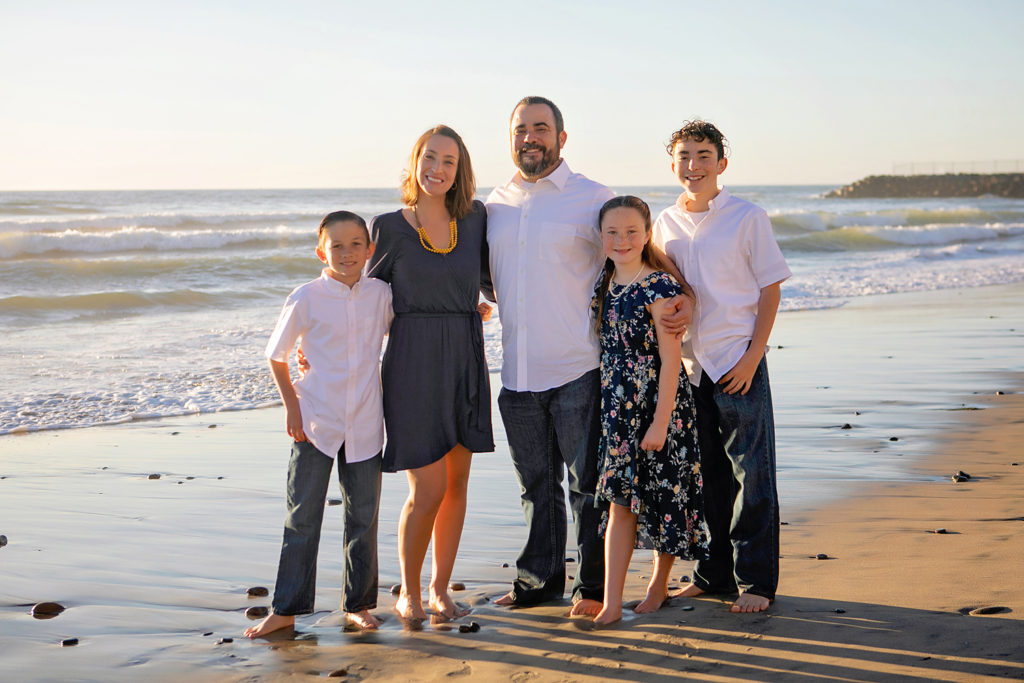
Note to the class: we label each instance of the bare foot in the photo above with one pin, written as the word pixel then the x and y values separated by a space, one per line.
pixel 607 615
pixel 361 620
pixel 748 602
pixel 410 610
pixel 687 591
pixel 656 596
pixel 273 622
pixel 445 607
pixel 506 600
pixel 588 607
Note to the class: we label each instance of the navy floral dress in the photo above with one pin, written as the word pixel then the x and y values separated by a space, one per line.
pixel 663 488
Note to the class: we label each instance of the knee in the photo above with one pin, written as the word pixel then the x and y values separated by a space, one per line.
pixel 425 500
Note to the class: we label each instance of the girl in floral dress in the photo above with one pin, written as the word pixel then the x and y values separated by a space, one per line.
pixel 650 466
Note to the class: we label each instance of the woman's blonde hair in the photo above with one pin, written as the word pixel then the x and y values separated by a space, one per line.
pixel 459 199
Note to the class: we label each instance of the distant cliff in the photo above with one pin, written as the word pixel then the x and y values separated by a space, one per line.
pixel 948 185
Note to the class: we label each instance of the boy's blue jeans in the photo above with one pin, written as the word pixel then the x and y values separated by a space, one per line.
pixel 309 474
pixel 737 451
pixel 548 432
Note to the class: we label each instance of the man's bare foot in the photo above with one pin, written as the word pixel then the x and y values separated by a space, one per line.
pixel 656 596
pixel 687 591
pixel 410 610
pixel 588 607
pixel 748 602
pixel 273 622
pixel 444 606
pixel 506 600
pixel 361 620
pixel 607 615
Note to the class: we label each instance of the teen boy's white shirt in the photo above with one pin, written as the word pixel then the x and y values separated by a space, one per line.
pixel 727 255
pixel 341 330
pixel 545 254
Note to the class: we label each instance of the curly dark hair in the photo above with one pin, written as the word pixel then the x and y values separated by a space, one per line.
pixel 699 131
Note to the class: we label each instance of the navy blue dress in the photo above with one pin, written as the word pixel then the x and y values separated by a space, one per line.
pixel 434 374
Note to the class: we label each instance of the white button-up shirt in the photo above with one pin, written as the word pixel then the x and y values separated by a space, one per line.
pixel 545 254
pixel 341 330
pixel 727 254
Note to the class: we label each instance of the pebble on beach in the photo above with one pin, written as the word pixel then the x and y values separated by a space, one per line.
pixel 338 673
pixel 456 586
pixel 258 592
pixel 154 476
pixel 847 425
pixel 3 540
pixel 68 642
pixel 333 501
pixel 46 610
pixel 981 611
pixel 940 530
pixel 471 627
pixel 960 476
pixel 255 613
pixel 222 641
pixel 687 608
pixel 396 589
pixel 894 438
pixel 822 556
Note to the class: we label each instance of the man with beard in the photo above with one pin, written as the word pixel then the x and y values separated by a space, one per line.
pixel 545 254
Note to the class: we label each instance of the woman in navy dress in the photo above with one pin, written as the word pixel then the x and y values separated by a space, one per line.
pixel 436 388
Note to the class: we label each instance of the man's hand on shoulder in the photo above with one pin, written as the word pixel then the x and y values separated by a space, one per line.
pixel 677 315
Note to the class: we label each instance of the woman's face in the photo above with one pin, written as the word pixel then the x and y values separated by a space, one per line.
pixel 437 165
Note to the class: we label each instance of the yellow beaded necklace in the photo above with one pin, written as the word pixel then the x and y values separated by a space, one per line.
pixel 453 236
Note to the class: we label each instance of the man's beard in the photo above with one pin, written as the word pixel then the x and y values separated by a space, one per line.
pixel 530 168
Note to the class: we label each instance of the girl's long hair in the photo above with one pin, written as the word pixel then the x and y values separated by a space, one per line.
pixel 627 201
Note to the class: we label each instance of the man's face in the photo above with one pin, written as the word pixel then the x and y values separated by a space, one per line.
pixel 696 165
pixel 536 146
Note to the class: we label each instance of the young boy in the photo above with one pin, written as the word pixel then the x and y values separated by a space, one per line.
pixel 725 249
pixel 333 412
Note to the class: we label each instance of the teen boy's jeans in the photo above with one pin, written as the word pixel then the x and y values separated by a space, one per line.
pixel 737 451
pixel 309 473
pixel 548 431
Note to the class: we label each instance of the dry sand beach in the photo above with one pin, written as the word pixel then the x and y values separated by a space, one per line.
pixel 153 572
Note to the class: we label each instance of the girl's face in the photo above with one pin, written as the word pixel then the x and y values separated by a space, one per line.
pixel 437 165
pixel 623 235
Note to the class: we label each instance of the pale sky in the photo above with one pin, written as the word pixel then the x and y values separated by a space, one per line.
pixel 106 94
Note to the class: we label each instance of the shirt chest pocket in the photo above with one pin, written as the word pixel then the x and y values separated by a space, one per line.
pixel 560 242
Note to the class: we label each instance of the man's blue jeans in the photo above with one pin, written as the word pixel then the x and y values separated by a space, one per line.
pixel 309 473
pixel 549 431
pixel 737 451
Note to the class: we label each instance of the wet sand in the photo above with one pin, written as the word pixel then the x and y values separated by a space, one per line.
pixel 147 567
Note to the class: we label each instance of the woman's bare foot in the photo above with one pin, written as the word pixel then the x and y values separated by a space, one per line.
pixel 687 591
pixel 410 610
pixel 608 615
pixel 273 622
pixel 588 607
pixel 361 620
pixel 655 598
pixel 748 602
pixel 445 607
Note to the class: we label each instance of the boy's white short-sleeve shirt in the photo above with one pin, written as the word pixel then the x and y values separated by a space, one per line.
pixel 727 255
pixel 341 330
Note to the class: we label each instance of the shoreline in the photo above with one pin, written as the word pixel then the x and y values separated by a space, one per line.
pixel 146 567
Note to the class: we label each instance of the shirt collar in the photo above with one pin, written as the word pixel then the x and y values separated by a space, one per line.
pixel 716 204
pixel 336 286
pixel 559 177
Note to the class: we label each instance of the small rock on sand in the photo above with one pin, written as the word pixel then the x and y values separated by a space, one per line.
pixel 471 627
pixel 211 426
pixel 222 641
pixel 505 564
pixel 154 476
pixel 46 610
pixel 570 559
pixel 821 556
pixel 456 586
pixel 338 673
pixel 981 611
pixel 333 501
pixel 258 592
pixel 687 608
pixel 68 642
pixel 3 540
pixel 847 425
pixel 256 612
pixel 894 438
pixel 960 476
pixel 396 589
pixel 940 530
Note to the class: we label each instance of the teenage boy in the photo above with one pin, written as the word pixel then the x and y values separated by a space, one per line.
pixel 334 412
pixel 725 249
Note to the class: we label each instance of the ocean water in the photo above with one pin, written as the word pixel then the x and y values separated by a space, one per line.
pixel 120 306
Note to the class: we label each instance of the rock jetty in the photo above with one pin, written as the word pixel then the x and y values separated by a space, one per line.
pixel 947 185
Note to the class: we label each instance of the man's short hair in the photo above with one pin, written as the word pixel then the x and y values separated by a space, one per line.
pixel 536 99
pixel 698 131
pixel 340 217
